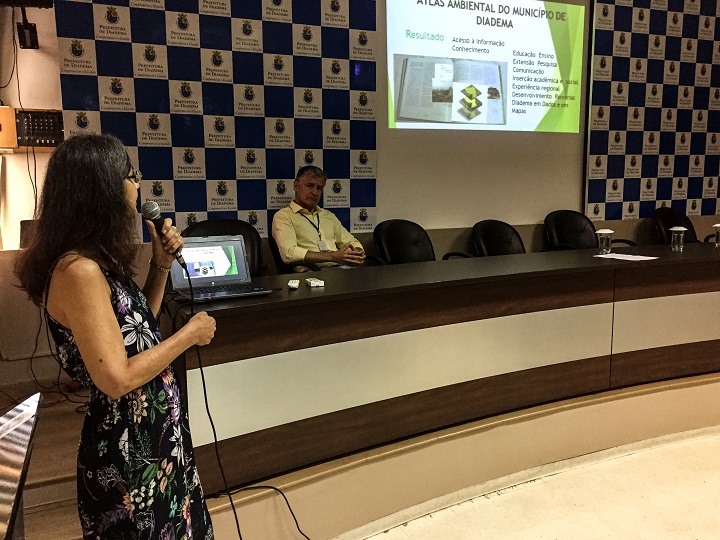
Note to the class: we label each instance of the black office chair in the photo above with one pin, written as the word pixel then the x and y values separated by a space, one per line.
pixel 223 227
pixel 493 237
pixel 665 218
pixel 568 229
pixel 399 241
pixel 281 266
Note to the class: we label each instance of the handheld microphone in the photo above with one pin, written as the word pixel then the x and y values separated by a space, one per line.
pixel 151 211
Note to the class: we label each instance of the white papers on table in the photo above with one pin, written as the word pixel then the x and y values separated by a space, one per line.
pixel 624 257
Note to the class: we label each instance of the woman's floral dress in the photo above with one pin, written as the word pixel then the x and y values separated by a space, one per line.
pixel 136 475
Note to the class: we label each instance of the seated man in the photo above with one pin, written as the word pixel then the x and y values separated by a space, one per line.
pixel 304 232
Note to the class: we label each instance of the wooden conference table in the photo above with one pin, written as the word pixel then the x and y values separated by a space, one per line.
pixel 388 352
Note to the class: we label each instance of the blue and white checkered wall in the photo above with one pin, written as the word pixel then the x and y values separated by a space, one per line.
pixel 654 116
pixel 221 101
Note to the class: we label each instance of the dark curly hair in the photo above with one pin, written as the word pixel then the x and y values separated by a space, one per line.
pixel 83 209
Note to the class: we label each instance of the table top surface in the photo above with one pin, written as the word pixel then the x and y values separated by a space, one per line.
pixel 371 280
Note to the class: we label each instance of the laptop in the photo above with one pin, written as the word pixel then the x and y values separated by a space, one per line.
pixel 217 267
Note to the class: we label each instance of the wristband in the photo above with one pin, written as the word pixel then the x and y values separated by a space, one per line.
pixel 155 265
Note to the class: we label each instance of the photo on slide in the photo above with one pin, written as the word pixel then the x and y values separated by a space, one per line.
pixel 450 90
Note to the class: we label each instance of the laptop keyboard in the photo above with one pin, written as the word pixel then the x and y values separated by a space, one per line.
pixel 237 287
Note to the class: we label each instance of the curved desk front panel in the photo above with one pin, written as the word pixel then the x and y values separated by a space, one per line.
pixel 666 322
pixel 385 353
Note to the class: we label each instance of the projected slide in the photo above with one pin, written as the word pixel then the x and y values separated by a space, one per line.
pixel 457 64
pixel 213 261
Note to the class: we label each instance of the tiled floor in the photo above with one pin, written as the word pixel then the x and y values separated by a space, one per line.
pixel 669 491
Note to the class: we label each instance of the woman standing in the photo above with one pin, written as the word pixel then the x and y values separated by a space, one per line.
pixel 136 475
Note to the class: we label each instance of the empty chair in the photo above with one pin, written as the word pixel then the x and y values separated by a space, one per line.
pixel 568 229
pixel 665 218
pixel 493 237
pixel 400 241
pixel 233 227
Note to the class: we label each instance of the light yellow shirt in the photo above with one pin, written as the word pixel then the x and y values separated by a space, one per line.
pixel 293 230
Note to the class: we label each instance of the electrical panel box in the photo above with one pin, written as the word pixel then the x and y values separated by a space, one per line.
pixel 25 129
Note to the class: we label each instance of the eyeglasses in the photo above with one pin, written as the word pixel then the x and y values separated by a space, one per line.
pixel 134 176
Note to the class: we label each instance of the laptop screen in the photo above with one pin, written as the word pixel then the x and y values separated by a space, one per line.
pixel 212 260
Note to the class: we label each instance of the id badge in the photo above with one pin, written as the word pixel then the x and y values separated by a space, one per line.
pixel 322 245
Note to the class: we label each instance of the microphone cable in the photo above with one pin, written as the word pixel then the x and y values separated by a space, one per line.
pixel 207 408
pixel 280 491
pixel 16 64
pixel 214 432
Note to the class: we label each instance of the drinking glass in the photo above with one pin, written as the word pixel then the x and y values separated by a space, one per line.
pixel 677 238
pixel 604 241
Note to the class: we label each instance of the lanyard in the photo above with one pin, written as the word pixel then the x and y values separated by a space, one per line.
pixel 316 227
